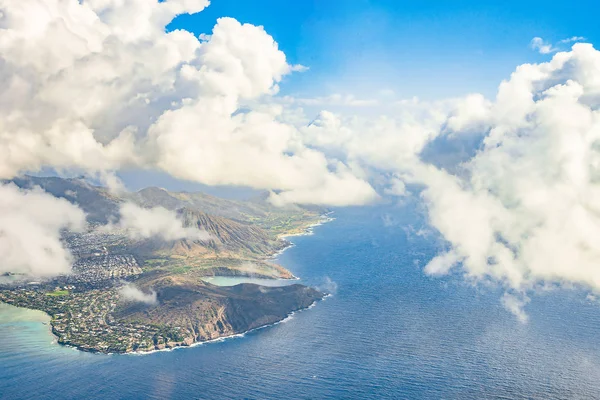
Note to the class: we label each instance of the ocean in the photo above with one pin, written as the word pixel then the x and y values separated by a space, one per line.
pixel 387 332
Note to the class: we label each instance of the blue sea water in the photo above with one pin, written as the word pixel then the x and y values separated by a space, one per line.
pixel 389 331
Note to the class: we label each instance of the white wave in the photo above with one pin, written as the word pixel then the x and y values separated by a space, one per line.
pixel 309 229
pixel 289 317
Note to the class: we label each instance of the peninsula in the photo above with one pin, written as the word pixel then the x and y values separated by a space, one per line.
pixel 128 295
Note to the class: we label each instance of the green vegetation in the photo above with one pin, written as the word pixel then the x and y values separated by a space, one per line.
pixel 85 320
pixel 58 293
pixel 180 268
pixel 156 261
pixel 223 266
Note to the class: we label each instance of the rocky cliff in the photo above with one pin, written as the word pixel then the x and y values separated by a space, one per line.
pixel 199 311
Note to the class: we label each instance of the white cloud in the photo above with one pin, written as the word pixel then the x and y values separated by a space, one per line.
pixel 442 263
pixel 347 100
pixel 328 286
pixel 130 292
pixel 591 298
pixel 525 210
pixel 299 68
pixel 572 39
pixel 522 208
pixel 543 47
pixel 253 149
pixel 515 305
pixel 396 188
pixel 85 85
pixel 390 140
pixel 387 93
pixel 144 223
pixel 471 113
pixel 31 222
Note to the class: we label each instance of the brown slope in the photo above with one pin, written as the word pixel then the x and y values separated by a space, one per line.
pixel 203 311
pixel 228 239
pixel 227 236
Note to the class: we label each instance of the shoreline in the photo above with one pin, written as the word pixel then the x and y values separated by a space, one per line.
pixel 55 338
pixel 307 231
pixel 47 323
pixel 288 317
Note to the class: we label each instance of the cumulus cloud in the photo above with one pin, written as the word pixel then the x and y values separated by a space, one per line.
pixel 31 222
pixel 145 223
pixel 390 141
pixel 524 212
pixel 84 85
pixel 521 209
pixel 469 114
pixel 130 292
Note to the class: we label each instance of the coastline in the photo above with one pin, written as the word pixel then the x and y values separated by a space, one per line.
pixel 55 338
pixel 194 344
pixel 43 318
pixel 287 318
pixel 309 229
pixel 306 231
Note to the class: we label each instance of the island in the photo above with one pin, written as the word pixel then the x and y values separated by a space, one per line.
pixel 143 295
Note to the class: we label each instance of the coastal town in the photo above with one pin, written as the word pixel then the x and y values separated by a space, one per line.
pixel 84 320
pixel 102 268
pixel 82 303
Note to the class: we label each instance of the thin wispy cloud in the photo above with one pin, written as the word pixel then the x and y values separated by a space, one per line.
pixel 544 47
pixel 130 292
pixel 541 46
pixel 573 39
pixel 144 223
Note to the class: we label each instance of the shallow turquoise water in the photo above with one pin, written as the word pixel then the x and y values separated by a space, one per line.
pixel 388 331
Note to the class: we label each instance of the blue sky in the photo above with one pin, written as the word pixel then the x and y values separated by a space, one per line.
pixel 429 49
